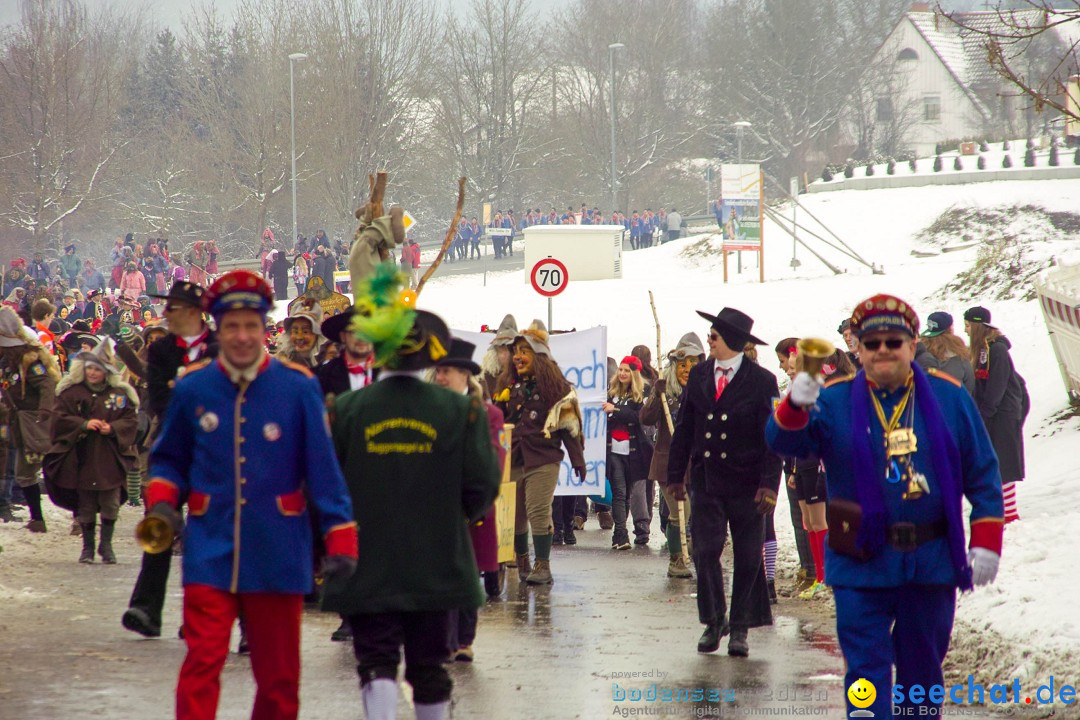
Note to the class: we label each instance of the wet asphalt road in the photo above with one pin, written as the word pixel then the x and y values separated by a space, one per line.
pixel 540 653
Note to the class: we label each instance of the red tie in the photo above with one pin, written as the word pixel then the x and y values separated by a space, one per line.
pixel 721 382
pixel 356 369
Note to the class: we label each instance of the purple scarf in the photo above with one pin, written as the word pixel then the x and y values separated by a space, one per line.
pixel 948 472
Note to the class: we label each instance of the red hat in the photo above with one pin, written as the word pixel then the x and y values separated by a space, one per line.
pixel 883 313
pixel 633 362
pixel 238 290
pixel 18 262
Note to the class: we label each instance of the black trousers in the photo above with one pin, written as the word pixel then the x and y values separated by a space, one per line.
pixel 378 639
pixel 711 520
pixel 150 587
pixel 462 627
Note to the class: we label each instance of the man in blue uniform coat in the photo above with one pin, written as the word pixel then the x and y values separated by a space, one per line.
pixel 901 449
pixel 245 443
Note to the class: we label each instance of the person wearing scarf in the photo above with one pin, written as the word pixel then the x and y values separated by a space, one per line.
pixel 895 552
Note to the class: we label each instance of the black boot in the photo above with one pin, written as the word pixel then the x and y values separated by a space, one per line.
pixel 105 548
pixel 87 556
pixel 343 633
pixel 772 592
pixel 710 639
pixel 737 645
pixel 242 648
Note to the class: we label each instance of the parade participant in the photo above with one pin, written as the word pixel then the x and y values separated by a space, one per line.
pixel 850 341
pixel 406 443
pixel 680 361
pixel 189 340
pixel 629 453
pixel 458 373
pixel 353 368
pixel 28 377
pixel 303 337
pixel 543 408
pixel 948 350
pixel 901 448
pixel 719 434
pixel 804 576
pixel 93 434
pixel 497 358
pixel 42 313
pixel 245 442
pixel 1002 398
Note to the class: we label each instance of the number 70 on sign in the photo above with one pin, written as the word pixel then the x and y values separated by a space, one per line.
pixel 549 277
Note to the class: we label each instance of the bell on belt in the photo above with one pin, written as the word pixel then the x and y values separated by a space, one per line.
pixel 813 352
pixel 917 487
pixel 154 534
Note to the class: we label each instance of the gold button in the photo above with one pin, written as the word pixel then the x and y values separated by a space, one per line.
pixel 243 420
pixel 241 438
pixel 243 460
pixel 243 481
pixel 243 501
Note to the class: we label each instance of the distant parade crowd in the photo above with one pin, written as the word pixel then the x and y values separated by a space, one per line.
pixel 170 390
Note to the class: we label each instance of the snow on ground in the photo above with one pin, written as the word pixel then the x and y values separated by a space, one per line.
pixel 1026 622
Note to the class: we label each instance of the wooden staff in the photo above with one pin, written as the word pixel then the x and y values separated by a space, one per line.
pixel 449 239
pixel 671 428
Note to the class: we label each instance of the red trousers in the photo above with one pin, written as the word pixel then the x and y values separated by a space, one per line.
pixel 273 630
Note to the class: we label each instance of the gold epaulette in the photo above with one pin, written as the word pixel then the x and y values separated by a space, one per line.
pixel 837 380
pixel 297 367
pixel 944 376
pixel 197 365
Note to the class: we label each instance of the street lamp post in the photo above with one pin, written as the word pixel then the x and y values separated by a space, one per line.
pixel 739 127
pixel 293 58
pixel 614 182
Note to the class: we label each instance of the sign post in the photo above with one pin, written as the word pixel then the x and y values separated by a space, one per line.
pixel 549 278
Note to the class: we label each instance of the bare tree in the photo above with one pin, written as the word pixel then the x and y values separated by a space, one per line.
pixel 61 77
pixel 1033 47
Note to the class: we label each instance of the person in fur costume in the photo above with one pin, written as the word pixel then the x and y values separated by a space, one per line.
pixel 302 339
pixel 93 434
pixel 497 357
pixel 543 407
pixel 28 377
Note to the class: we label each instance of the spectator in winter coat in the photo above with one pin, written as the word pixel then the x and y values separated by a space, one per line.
pixel 1002 398
pixel 132 282
pixel 320 239
pixel 70 266
pixel 39 269
pixel 91 278
pixel 300 272
pixel 279 272
pixel 674 225
pixel 322 265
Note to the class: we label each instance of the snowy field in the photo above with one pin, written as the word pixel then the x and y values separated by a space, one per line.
pixel 1023 626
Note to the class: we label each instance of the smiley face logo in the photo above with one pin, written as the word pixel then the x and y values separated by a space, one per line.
pixel 862 693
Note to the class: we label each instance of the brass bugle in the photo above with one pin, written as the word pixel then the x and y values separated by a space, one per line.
pixel 154 534
pixel 812 355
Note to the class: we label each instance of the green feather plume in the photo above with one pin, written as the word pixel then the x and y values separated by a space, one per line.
pixel 382 318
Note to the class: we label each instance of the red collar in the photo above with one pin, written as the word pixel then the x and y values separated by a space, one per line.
pixel 182 343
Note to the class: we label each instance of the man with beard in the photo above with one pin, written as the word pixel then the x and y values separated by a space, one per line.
pixel 189 341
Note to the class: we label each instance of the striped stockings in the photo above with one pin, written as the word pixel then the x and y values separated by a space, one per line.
pixel 1009 491
pixel 770 559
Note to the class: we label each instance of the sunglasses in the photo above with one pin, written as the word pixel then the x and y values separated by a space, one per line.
pixel 714 336
pixel 875 344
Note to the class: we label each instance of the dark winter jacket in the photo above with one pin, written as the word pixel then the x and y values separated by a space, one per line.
pixel 1001 396
pixel 529 446
pixel 626 417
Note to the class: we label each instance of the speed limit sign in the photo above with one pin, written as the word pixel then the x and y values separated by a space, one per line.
pixel 549 277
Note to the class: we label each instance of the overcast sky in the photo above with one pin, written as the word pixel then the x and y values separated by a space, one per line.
pixel 170 12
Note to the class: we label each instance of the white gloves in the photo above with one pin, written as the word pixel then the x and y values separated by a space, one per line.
pixel 805 390
pixel 984 565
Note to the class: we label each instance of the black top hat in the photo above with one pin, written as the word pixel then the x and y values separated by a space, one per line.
pixel 183 292
pixel 73 341
pixel 730 320
pixel 425 344
pixel 333 326
pixel 460 356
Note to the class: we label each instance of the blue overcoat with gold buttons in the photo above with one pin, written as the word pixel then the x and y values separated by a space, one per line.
pixel 247 459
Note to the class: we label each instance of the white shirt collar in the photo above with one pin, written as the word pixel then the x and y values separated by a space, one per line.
pixel 731 364
pixel 415 374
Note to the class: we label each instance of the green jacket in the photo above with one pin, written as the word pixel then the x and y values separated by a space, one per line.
pixel 419 463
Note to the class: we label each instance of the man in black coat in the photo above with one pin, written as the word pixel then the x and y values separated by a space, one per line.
pixel 189 341
pixel 352 369
pixel 720 435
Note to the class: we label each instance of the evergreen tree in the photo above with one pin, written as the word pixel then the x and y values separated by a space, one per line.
pixel 984 146
pixel 912 165
pixel 957 165
pixel 981 164
pixel 1007 162
pixel 1005 146
pixel 849 170
pixel 870 170
pixel 826 175
pixel 1054 159
pixel 891 167
pixel 1029 157
pixel 1076 156
pixel 937 163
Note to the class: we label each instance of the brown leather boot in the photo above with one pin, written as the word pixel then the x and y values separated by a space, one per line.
pixel 541 574
pixel 523 567
pixel 606 520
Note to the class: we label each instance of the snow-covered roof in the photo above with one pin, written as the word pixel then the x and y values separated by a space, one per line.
pixel 959 42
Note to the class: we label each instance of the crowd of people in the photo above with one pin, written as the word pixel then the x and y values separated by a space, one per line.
pixel 216 408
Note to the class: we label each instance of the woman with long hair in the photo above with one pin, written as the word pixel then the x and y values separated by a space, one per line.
pixel 1002 399
pixel 952 355
pixel 669 386
pixel 629 453
pixel 543 408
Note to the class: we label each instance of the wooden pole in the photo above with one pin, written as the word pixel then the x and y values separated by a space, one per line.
pixel 449 239
pixel 670 427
